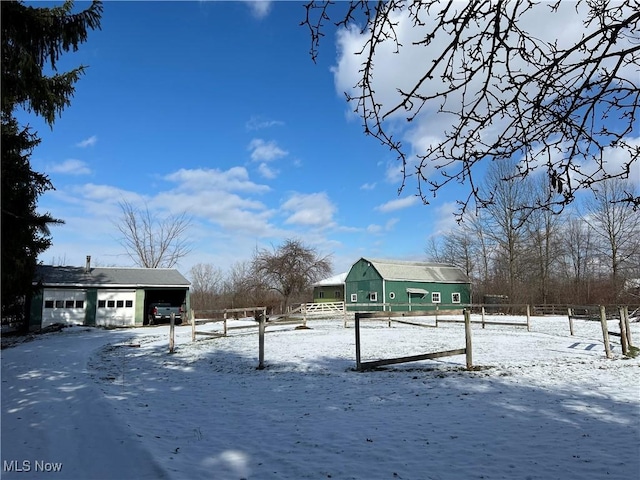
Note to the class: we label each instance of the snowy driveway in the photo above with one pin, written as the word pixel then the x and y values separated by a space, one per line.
pixel 54 416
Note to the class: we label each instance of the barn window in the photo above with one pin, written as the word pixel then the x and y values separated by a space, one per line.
pixel 435 297
pixel 102 303
pixel 320 294
pixel 455 297
pixel 128 304
pixel 392 295
pixel 354 297
pixel 59 303
pixel 373 296
pixel 337 294
pixel 120 303
pixel 69 303
pixel 48 304
pixel 111 303
pixel 79 303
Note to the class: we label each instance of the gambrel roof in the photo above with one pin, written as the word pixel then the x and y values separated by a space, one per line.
pixel 51 276
pixel 418 271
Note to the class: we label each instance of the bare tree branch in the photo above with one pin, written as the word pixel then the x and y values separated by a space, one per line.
pixel 153 242
pixel 508 94
pixel 291 268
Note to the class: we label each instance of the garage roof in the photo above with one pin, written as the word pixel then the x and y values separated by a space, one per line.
pixel 51 276
pixel 418 271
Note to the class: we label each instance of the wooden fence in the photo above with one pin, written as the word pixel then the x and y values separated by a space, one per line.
pixel 447 310
pixel 368 365
pixel 599 314
pixel 259 313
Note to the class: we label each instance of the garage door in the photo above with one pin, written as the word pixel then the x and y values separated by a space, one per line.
pixel 116 308
pixel 64 306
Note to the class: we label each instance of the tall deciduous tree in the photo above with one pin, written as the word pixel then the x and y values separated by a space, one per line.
pixel 33 38
pixel 152 241
pixel 291 268
pixel 617 227
pixel 507 79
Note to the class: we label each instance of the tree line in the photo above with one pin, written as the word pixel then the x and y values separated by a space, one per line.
pixel 273 278
pixel 589 255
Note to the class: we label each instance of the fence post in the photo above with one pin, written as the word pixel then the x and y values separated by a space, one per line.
pixel 225 323
pixel 628 327
pixel 193 325
pixel 624 343
pixel 570 313
pixel 467 338
pixel 528 318
pixel 344 312
pixel 605 331
pixel 261 343
pixel 304 314
pixel 482 316
pixel 172 328
pixel 357 329
pixel 436 314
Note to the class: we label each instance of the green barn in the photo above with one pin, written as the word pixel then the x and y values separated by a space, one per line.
pixel 376 285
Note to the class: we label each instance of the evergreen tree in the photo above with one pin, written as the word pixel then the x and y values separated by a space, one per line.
pixel 32 39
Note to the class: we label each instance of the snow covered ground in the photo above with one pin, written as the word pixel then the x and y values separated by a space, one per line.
pixel 98 404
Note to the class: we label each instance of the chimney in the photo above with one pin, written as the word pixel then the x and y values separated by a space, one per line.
pixel 87 267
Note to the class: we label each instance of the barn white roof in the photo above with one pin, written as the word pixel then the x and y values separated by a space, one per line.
pixel 335 280
pixel 418 271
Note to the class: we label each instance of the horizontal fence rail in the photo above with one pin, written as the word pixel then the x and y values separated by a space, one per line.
pixel 372 364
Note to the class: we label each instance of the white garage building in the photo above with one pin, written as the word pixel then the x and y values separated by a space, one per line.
pixel 110 296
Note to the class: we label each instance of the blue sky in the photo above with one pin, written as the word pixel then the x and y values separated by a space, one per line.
pixel 216 109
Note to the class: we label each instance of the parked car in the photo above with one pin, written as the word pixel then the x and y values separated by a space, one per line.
pixel 161 312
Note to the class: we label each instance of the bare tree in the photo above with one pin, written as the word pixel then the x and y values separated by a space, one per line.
pixel 206 285
pixel 504 90
pixel 291 268
pixel 151 241
pixel 542 228
pixel 617 226
pixel 504 223
pixel 577 249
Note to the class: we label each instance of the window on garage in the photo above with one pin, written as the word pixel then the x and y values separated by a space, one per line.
pixel 48 304
pixel 128 303
pixel 79 303
pixel 111 303
pixel 59 303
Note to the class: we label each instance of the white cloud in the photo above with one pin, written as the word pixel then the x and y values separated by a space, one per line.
pixel 234 179
pixel 256 122
pixel 70 167
pixel 397 204
pixel 89 142
pixel 267 172
pixel 375 229
pixel 262 151
pixel 367 186
pixel 259 8
pixel 313 209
